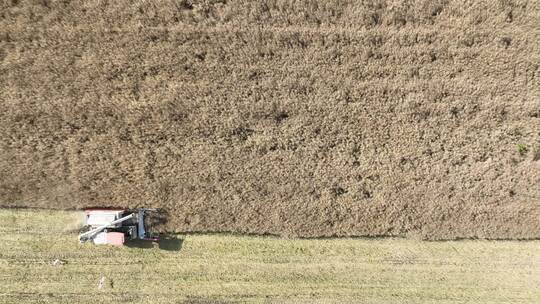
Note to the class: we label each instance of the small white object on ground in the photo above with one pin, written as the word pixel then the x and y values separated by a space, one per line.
pixel 58 262
pixel 101 283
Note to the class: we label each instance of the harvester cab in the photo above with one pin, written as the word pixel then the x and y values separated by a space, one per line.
pixel 115 226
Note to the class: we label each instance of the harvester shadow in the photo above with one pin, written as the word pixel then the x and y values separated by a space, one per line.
pixel 170 243
pixel 166 242
pixel 156 220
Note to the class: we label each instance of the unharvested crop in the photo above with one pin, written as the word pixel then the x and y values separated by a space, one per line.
pixel 298 118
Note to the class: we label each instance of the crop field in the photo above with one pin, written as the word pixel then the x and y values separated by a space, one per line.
pixel 308 118
pixel 42 262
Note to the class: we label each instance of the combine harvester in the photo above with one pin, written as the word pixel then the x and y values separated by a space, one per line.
pixel 115 226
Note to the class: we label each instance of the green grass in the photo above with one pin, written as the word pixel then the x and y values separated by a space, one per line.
pixel 522 149
pixel 217 268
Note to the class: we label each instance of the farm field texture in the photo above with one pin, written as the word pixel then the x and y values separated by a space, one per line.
pixel 293 118
pixel 214 268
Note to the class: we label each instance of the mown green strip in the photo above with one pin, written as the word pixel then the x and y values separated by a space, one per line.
pixel 252 269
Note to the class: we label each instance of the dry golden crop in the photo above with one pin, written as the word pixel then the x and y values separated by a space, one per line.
pixel 297 118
